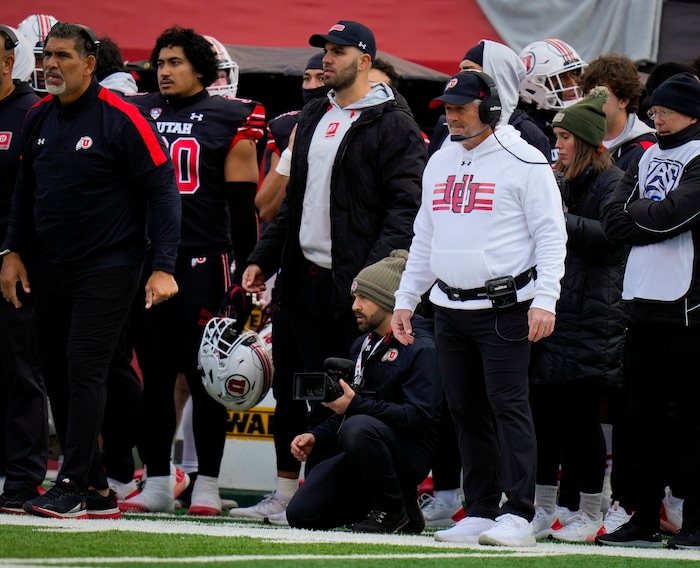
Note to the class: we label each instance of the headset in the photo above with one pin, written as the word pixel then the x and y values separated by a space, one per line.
pixel 490 107
pixel 92 42
pixel 11 40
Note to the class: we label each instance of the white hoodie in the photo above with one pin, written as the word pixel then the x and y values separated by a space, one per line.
pixel 506 69
pixel 509 220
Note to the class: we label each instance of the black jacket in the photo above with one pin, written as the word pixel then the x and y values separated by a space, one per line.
pixel 402 388
pixel 375 195
pixel 588 340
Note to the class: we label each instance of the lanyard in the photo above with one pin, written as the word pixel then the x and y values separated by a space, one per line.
pixel 366 351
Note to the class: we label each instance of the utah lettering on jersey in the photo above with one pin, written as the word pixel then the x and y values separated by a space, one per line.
pixel 174 127
pixel 452 196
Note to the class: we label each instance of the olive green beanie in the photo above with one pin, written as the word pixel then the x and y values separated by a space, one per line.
pixel 380 280
pixel 585 119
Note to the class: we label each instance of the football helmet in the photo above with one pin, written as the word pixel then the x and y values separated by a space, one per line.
pixel 227 83
pixel 236 369
pixel 553 69
pixel 35 28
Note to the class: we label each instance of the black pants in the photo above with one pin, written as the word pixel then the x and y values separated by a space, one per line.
pixel 166 340
pixel 80 316
pixel 447 464
pixel 375 469
pixel 305 333
pixel 567 424
pixel 22 399
pixel 661 366
pixel 485 378
pixel 121 427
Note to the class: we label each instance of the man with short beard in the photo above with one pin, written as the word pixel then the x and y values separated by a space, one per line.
pixel 354 190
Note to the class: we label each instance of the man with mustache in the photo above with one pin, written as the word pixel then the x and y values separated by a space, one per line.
pixel 92 168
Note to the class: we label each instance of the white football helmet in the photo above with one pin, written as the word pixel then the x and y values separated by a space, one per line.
pixel 236 369
pixel 35 28
pixel 553 69
pixel 227 83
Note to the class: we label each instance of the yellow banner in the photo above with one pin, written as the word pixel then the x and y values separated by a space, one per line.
pixel 255 424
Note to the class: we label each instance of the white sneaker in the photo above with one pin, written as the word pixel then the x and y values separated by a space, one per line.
pixel 465 531
pixel 509 530
pixel 581 529
pixel 564 517
pixel 157 496
pixel 671 512
pixel 279 519
pixel 206 501
pixel 271 504
pixel 436 512
pixel 614 519
pixel 542 522
pixel 123 490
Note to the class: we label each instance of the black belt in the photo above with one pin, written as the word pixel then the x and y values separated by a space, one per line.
pixel 459 295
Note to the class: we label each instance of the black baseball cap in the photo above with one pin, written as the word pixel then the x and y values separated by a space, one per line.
pixel 346 32
pixel 461 89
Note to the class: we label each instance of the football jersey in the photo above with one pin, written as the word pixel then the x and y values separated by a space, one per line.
pixel 199 132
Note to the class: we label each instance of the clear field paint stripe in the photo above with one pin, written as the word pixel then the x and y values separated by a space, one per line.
pixel 167 524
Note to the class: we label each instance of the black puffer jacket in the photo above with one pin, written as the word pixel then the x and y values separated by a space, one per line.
pixel 588 340
pixel 375 195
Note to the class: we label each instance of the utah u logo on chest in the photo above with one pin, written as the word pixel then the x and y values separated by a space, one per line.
pixel 464 196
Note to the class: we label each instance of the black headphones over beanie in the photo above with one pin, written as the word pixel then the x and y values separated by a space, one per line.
pixel 11 40
pixel 490 107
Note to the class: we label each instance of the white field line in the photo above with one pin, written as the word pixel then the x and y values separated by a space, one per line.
pixel 230 528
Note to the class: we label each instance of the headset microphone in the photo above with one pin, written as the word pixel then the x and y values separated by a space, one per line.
pixel 461 138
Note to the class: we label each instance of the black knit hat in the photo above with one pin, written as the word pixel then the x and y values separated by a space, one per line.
pixel 380 280
pixel 680 93
pixel 476 54
pixel 586 118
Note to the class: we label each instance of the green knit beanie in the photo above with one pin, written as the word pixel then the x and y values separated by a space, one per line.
pixel 380 280
pixel 585 119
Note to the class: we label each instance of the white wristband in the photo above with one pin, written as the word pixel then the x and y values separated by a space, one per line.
pixel 284 166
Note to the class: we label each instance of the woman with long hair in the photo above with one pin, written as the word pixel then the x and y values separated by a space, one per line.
pixel 581 361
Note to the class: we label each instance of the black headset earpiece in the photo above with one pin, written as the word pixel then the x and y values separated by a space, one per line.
pixel 11 40
pixel 92 42
pixel 490 108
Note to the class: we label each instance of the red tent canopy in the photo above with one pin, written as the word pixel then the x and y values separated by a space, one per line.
pixel 434 34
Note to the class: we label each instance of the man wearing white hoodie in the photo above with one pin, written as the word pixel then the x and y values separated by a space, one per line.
pixel 507 70
pixel 491 231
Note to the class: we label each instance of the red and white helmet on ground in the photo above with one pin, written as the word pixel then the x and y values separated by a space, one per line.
pixel 236 368
pixel 553 70
pixel 227 83
pixel 35 28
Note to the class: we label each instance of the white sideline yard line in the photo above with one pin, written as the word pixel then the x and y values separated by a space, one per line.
pixel 163 524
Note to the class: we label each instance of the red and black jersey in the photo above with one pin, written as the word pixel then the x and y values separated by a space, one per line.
pixel 279 129
pixel 200 131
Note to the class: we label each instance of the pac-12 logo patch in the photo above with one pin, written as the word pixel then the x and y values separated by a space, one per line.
pixel 84 143
pixel 156 112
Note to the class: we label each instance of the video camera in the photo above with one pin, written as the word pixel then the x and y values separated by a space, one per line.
pixel 324 387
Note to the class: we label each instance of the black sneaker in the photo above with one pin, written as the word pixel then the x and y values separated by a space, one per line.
pixel 13 501
pixel 382 522
pixel 686 538
pixel 99 507
pixel 416 520
pixel 62 501
pixel 631 535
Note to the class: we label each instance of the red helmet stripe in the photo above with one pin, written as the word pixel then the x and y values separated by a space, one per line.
pixel 563 48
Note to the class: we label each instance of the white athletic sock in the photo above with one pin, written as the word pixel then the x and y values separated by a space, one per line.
pixel 450 497
pixel 546 498
pixel 589 505
pixel 287 487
